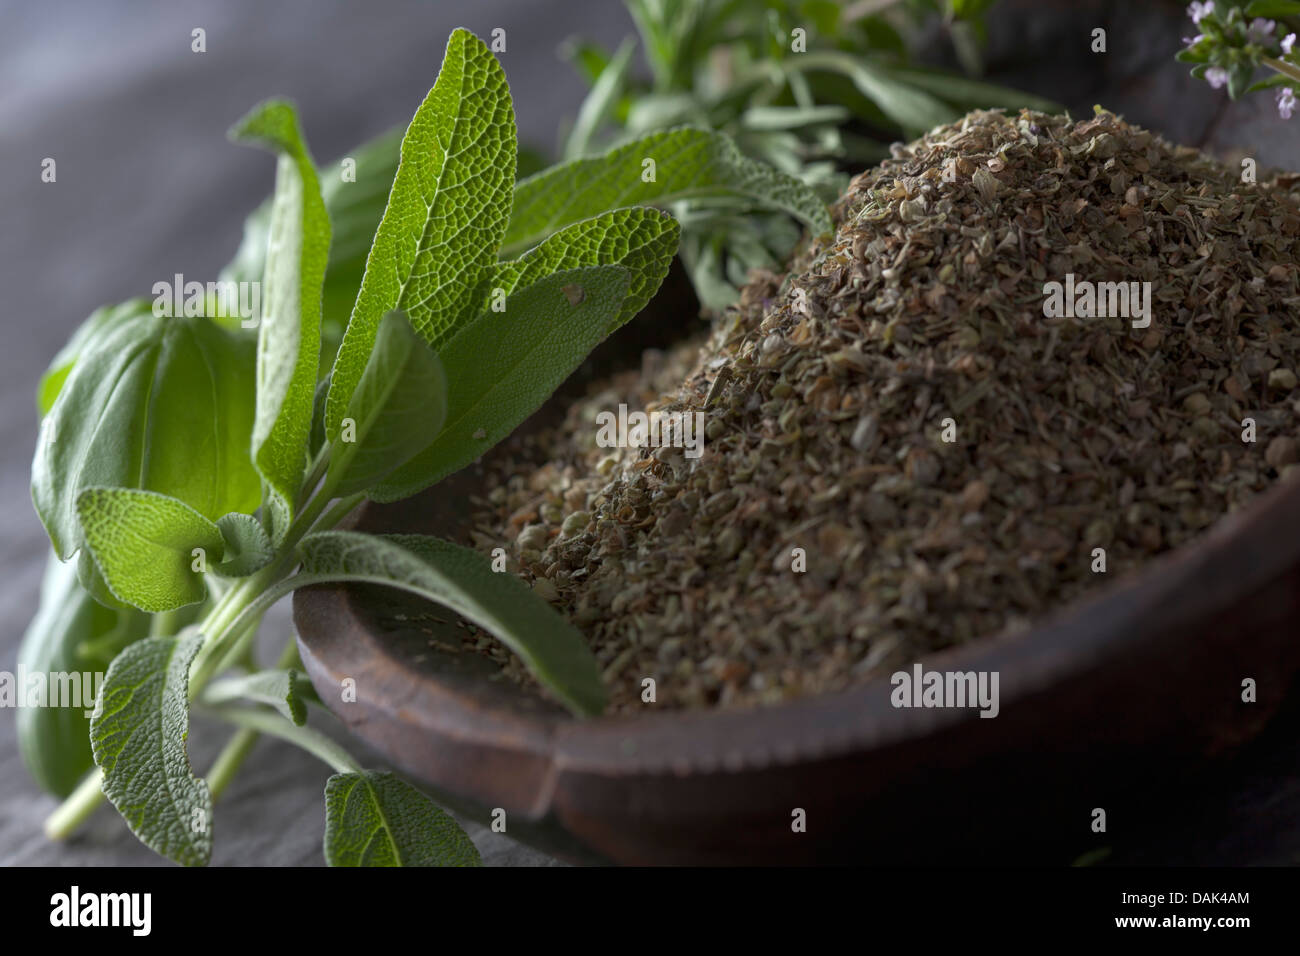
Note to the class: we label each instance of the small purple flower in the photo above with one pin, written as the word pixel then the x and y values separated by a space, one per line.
pixel 1192 41
pixel 1285 102
pixel 1197 11
pixel 1259 30
pixel 1216 76
pixel 1288 42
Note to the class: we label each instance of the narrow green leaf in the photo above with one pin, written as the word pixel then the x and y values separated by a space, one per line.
pixel 247 546
pixel 355 189
pixel 765 118
pixel 161 404
pixel 912 109
pixel 288 338
pixel 687 164
pixel 375 819
pixel 463 580
pixel 279 688
pixel 601 101
pixel 71 638
pixel 138 738
pixel 972 94
pixel 142 543
pixel 397 409
pixel 1271 9
pixel 445 217
pixel 640 238
pixel 501 367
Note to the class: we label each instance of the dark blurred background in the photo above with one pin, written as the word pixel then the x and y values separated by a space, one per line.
pixel 148 186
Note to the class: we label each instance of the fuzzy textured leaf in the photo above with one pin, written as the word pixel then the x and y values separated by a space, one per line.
pixel 247 546
pixel 689 164
pixel 446 214
pixel 142 543
pixel 138 740
pixel 641 239
pixel 154 403
pixel 463 580
pixel 288 343
pixel 397 409
pixel 504 365
pixel 376 819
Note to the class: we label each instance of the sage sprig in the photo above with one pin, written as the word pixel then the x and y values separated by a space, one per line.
pixel 196 470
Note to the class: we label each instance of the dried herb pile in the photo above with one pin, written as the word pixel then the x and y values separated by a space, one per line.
pixel 826 395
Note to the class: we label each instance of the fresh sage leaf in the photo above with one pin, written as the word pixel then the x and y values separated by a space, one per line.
pixel 279 688
pixel 641 239
pixel 154 403
pixel 144 544
pixel 446 214
pixel 375 819
pixel 70 635
pixel 687 164
pixel 288 342
pixel 396 411
pixel 463 580
pixel 248 548
pixel 61 365
pixel 355 190
pixel 138 738
pixel 502 366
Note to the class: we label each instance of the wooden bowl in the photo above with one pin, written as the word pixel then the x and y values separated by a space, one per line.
pixel 1117 702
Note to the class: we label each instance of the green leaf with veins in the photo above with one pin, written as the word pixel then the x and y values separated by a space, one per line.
pixel 397 409
pixel 446 214
pixel 247 547
pixel 278 688
pixel 688 164
pixel 463 580
pixel 504 365
pixel 160 404
pixel 288 338
pixel 376 819
pixel 641 239
pixel 138 740
pixel 142 543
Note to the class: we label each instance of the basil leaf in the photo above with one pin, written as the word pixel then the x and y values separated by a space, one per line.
pixel 160 404
pixel 247 547
pixel 288 342
pixel 688 164
pixel 139 742
pixel 641 239
pixel 501 367
pixel 375 819
pixel 70 635
pixel 463 580
pixel 279 688
pixel 142 543
pixel 397 409
pixel 445 217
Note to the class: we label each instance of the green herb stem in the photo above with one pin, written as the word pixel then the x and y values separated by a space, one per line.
pixel 77 808
pixel 312 741
pixel 1283 67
